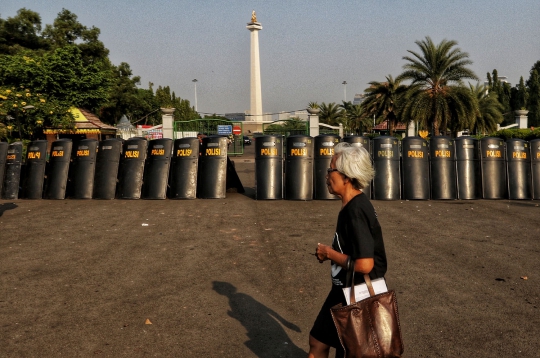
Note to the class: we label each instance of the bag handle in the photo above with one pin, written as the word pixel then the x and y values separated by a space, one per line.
pixel 368 284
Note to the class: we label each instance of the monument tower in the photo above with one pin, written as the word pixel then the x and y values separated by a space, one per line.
pixel 255 111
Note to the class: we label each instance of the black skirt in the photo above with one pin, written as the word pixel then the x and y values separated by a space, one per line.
pixel 324 329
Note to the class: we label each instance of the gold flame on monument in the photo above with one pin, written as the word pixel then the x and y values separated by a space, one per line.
pixel 253 16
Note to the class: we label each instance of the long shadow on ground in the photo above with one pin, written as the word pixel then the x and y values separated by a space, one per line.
pixel 267 338
pixel 7 206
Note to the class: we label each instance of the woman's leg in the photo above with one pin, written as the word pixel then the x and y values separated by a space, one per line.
pixel 317 349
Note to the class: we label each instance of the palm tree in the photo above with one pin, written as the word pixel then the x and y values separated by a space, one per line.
pixel 355 117
pixel 330 113
pixel 438 98
pixel 345 118
pixel 490 110
pixel 383 99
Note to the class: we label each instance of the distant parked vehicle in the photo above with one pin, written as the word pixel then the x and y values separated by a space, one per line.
pixel 247 141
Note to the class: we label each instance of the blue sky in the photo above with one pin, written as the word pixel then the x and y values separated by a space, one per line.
pixel 307 47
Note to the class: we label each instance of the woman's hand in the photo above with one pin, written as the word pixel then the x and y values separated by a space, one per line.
pixel 322 252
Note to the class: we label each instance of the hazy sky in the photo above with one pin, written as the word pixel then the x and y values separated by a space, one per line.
pixel 307 47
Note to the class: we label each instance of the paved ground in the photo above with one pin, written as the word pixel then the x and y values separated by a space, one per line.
pixel 235 278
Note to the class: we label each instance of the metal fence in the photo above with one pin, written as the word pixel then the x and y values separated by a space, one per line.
pixel 213 126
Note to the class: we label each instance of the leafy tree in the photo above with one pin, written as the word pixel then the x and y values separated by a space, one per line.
pixel 183 110
pixel 489 112
pixel 437 98
pixel 124 95
pixel 383 99
pixel 354 118
pixel 147 107
pixel 24 113
pixel 21 32
pixel 66 30
pixel 522 94
pixel 20 70
pixel 330 113
pixel 295 123
pixel 504 94
pixel 289 126
pixel 60 74
pixel 67 78
pixel 68 65
pixel 519 96
pixel 533 102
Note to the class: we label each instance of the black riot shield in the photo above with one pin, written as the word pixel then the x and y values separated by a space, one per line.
pixel 386 182
pixel 57 176
pixel 3 153
pixel 131 169
pixel 106 173
pixel 156 169
pixel 36 160
pixel 443 168
pixel 83 169
pixel 364 142
pixel 535 168
pixel 184 167
pixel 493 168
pixel 518 154
pixel 324 150
pixel 269 167
pixel 468 171
pixel 212 174
pixel 12 176
pixel 299 168
pixel 415 168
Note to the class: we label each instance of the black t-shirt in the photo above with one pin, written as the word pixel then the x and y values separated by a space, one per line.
pixel 359 235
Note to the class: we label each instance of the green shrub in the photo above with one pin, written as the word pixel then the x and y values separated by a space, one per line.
pixel 526 134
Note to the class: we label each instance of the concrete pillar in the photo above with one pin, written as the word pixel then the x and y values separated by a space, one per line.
pixel 411 129
pixel 167 120
pixel 313 125
pixel 521 118
pixel 256 113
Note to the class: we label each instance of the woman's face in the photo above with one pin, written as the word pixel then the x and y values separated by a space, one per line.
pixel 335 181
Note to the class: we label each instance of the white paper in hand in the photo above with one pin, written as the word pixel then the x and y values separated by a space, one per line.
pixel 361 291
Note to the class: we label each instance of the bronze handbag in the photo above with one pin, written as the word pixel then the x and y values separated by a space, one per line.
pixel 370 327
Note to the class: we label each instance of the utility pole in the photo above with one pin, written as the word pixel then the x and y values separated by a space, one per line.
pixel 195 82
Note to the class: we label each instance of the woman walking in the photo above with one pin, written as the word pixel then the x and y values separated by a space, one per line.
pixel 358 238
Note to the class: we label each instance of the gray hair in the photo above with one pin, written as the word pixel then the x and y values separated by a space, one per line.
pixel 355 163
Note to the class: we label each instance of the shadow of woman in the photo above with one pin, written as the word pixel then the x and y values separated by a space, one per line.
pixel 7 206
pixel 267 338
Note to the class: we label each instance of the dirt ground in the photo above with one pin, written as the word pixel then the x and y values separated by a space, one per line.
pixel 235 277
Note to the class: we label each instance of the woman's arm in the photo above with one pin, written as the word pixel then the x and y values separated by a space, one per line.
pixel 325 252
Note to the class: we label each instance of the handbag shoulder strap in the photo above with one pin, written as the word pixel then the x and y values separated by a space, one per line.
pixel 368 284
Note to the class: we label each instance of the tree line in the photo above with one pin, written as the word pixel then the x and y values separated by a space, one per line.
pixel 44 71
pixel 431 91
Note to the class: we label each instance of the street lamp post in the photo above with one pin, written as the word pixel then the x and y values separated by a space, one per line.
pixel 344 91
pixel 195 82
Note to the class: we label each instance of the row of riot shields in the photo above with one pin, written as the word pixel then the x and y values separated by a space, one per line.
pixel 300 174
pixel 441 169
pixel 113 168
pixel 413 169
pixel 466 168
